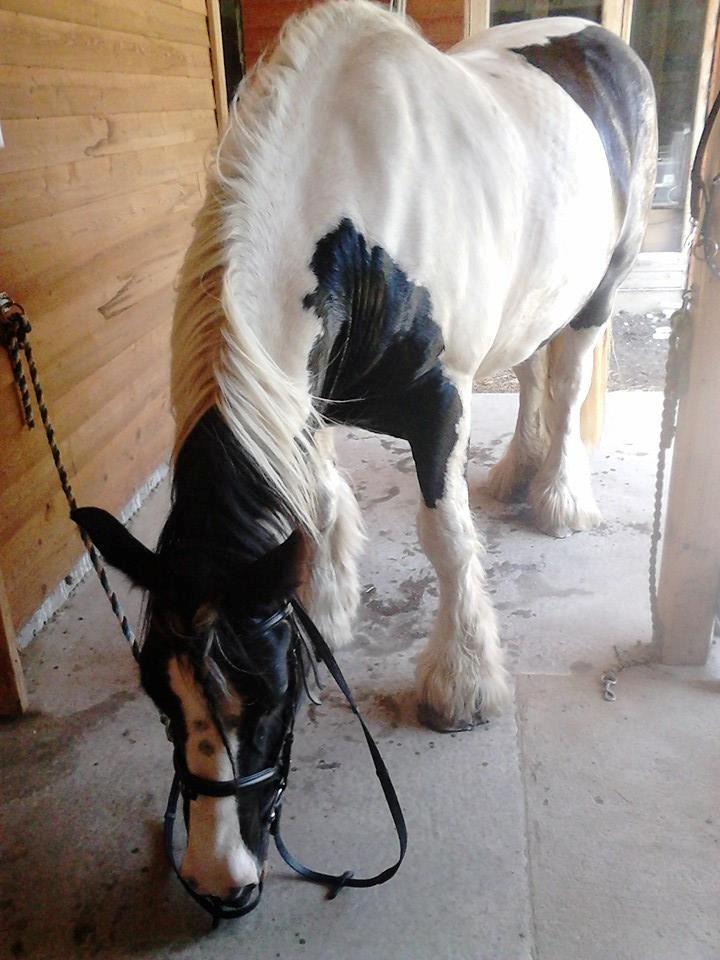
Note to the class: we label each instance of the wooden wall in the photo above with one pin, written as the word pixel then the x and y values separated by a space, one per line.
pixel 442 21
pixel 107 112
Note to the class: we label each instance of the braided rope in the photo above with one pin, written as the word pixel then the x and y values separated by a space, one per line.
pixel 16 338
pixel 16 322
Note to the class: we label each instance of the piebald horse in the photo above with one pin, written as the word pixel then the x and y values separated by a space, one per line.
pixel 383 223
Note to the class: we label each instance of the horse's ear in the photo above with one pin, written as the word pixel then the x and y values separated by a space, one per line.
pixel 276 575
pixel 119 547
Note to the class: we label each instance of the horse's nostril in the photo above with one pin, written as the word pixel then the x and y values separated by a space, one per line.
pixel 239 896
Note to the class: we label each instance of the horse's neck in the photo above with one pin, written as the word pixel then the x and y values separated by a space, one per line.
pixel 219 498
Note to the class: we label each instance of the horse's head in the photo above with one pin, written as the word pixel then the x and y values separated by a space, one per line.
pixel 223 668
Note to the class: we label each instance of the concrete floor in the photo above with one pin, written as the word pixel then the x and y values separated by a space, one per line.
pixel 570 829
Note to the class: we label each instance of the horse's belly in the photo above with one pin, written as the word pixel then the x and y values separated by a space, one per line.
pixel 548 255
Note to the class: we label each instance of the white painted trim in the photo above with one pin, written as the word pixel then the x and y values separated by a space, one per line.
pixel 69 584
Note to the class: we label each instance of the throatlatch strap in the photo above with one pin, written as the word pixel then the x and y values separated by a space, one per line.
pixel 333 882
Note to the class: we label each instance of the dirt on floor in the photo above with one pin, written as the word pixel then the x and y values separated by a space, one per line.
pixel 637 359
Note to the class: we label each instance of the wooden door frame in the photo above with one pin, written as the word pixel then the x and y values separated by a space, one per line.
pixel 218 62
pixel 13 692
pixel 616 16
pixel 689 584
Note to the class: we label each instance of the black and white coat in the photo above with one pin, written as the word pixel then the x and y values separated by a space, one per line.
pixel 384 223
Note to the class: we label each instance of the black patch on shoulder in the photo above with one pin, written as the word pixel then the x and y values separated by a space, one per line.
pixel 608 82
pixel 376 363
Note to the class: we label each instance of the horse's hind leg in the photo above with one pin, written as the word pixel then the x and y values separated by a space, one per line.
pixel 510 477
pixel 460 672
pixel 561 491
pixel 334 588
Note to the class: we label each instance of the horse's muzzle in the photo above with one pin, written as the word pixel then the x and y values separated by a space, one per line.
pixel 240 896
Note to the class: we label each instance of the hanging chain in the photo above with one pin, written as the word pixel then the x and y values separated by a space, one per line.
pixel 15 336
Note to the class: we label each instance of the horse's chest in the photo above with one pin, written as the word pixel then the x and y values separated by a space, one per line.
pixel 378 340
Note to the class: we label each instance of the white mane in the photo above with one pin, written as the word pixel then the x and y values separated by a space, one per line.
pixel 225 332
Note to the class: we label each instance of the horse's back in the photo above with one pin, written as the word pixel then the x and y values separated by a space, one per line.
pixel 474 175
pixel 603 75
pixel 391 177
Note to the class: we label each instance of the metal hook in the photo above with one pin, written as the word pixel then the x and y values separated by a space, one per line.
pixel 609 680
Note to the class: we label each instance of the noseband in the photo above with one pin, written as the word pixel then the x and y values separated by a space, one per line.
pixel 274 779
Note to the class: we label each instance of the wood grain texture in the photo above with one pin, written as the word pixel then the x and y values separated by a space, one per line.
pixel 39 42
pixel 107 480
pixel 262 20
pixel 690 568
pixel 197 6
pixel 109 117
pixel 28 143
pixel 46 191
pixel 30 250
pixel 218 62
pixel 123 388
pixel 154 20
pixel 39 92
pixel 442 21
pixel 13 692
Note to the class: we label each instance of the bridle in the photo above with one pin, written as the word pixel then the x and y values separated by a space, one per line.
pixel 274 778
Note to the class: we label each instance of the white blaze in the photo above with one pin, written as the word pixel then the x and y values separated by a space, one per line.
pixel 216 861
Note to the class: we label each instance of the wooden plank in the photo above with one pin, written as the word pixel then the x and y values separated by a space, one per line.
pixel 38 42
pixel 690 572
pixel 31 259
pixel 46 191
pixel 84 361
pixel 27 460
pixel 477 16
pixel 708 62
pixel 13 692
pixel 29 142
pixel 262 20
pixel 57 92
pixel 218 62
pixel 41 554
pixel 612 15
pixel 110 297
pixel 145 18
pixel 442 21
pixel 197 6
pixel 120 390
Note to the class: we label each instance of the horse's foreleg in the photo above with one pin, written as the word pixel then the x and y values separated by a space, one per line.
pixel 561 492
pixel 460 673
pixel 334 588
pixel 510 477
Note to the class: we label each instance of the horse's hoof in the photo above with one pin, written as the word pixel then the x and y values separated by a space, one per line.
pixel 429 717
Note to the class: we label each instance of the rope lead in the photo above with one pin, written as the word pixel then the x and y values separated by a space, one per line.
pixel 15 337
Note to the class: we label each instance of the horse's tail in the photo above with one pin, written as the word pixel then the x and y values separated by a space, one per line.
pixel 592 415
